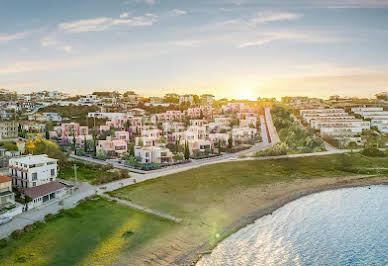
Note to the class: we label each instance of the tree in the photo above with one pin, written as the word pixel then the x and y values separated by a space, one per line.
pixel 219 146
pixel 43 146
pixel 187 151
pixel 85 145
pixel 230 141
pixel 47 134
pixel 127 124
pixel 132 149
pixel 94 143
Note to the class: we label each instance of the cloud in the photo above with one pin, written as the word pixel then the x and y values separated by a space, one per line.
pixel 66 48
pixel 266 17
pixel 11 37
pixel 179 12
pixel 148 2
pixel 47 41
pixel 124 15
pixel 52 42
pixel 298 36
pixel 186 43
pixel 105 23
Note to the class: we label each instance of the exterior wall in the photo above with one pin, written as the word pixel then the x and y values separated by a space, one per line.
pixel 6 186
pixel 40 201
pixel 26 176
pixel 8 129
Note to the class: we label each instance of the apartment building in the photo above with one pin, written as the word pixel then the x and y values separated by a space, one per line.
pixel 336 123
pixel 378 117
pixel 8 129
pixel 32 170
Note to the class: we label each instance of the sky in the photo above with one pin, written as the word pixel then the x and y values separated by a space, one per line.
pixel 229 48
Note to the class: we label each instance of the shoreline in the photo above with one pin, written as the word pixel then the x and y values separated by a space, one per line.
pixel 204 249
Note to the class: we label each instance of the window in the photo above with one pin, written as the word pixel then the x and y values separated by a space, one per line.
pixel 34 176
pixel 52 172
pixel 34 184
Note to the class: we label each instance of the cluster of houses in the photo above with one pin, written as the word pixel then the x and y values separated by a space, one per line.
pixel 337 124
pixel 203 128
pixel 377 116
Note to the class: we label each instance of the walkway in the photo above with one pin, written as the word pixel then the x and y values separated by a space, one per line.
pixel 144 209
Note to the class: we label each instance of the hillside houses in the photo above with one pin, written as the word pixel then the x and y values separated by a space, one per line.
pixel 336 123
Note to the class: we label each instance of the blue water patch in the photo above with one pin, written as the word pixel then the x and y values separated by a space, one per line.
pixel 338 227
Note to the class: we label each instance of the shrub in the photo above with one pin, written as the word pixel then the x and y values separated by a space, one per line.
pixel 28 228
pixel 49 217
pixel 124 173
pixel 3 243
pixel 127 234
pixel 373 152
pixel 16 234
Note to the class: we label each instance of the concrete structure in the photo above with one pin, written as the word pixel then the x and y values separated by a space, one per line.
pixel 32 170
pixel 6 195
pixel 153 154
pixel 8 129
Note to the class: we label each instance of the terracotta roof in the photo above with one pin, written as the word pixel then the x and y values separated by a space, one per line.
pixel 42 190
pixel 4 179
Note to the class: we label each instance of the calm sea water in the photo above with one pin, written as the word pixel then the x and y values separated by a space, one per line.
pixel 339 227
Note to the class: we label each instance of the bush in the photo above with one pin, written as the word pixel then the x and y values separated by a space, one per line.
pixel 28 228
pixel 280 148
pixel 49 217
pixel 16 234
pixel 124 173
pixel 373 152
pixel 3 243
pixel 297 139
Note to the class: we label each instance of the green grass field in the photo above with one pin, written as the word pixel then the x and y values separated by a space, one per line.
pixel 83 174
pixel 96 232
pixel 183 194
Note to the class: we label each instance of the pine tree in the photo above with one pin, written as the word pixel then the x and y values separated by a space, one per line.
pixel 85 145
pixel 132 150
pixel 187 151
pixel 74 144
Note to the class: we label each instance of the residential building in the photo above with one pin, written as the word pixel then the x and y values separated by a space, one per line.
pixel 32 170
pixel 8 129
pixel 6 195
pixel 153 154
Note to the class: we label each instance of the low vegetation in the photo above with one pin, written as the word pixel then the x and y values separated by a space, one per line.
pixel 97 232
pixel 95 174
pixel 294 138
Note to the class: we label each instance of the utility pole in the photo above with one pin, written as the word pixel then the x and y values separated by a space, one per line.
pixel 75 167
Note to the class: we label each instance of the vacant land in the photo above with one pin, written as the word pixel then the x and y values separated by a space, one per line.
pixel 93 173
pixel 97 232
pixel 213 200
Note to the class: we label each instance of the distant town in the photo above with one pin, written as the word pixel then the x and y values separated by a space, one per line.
pixel 61 149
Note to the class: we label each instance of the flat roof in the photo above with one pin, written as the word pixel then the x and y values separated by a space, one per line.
pixel 34 159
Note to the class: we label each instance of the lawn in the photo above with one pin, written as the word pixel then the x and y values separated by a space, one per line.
pixel 96 232
pixel 184 194
pixel 83 173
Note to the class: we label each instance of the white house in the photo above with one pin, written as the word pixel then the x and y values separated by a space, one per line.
pixel 32 170
pixel 152 154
